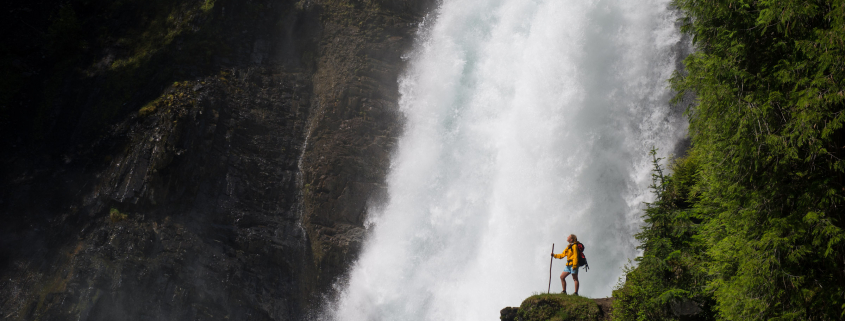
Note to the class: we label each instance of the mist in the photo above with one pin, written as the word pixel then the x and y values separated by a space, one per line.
pixel 525 121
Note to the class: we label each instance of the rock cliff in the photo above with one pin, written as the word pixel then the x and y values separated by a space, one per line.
pixel 171 160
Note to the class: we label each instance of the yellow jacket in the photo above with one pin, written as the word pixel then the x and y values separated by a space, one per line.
pixel 571 254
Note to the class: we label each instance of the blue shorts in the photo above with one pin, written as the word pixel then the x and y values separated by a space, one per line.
pixel 570 269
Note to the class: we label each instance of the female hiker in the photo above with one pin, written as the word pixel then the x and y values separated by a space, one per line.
pixel 571 253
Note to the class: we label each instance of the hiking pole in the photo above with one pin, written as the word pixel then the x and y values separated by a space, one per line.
pixel 550 270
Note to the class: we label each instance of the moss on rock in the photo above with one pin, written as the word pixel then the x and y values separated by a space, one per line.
pixel 556 307
pixel 116 216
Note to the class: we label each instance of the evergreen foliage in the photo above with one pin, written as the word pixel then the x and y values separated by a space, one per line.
pixel 767 140
pixel 669 273
pixel 768 76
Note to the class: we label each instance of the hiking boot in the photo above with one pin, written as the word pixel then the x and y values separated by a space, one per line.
pixel 575 294
pixel 563 292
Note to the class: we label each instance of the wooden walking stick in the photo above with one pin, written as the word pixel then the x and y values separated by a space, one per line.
pixel 550 269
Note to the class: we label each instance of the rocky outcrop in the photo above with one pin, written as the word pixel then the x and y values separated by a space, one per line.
pixel 193 159
pixel 559 307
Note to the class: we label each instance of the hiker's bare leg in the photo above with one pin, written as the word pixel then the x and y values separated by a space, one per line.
pixel 563 280
pixel 575 279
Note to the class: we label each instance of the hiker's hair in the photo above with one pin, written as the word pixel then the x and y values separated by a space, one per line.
pixel 574 240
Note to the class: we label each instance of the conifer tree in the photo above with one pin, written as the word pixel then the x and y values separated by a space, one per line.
pixel 767 127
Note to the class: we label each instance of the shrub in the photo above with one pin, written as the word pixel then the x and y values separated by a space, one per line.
pixel 116 216
pixel 669 274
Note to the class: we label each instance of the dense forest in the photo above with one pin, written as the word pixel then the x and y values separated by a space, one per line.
pixel 749 224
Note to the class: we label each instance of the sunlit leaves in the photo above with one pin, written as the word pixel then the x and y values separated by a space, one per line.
pixel 767 126
pixel 670 271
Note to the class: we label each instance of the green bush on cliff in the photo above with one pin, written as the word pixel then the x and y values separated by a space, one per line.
pixel 149 108
pixel 116 216
pixel 669 273
pixel 558 307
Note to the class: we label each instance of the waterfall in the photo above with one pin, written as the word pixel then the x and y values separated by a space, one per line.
pixel 525 121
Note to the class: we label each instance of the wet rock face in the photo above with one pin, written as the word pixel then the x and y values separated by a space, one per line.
pixel 354 125
pixel 225 175
pixel 208 225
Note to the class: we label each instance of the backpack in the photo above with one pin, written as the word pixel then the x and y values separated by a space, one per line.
pixel 582 260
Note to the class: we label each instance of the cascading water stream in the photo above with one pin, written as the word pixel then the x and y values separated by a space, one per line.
pixel 525 121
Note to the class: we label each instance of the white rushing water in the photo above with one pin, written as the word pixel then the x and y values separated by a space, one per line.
pixel 525 121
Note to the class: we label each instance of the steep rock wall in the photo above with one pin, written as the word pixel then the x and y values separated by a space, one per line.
pixel 353 127
pixel 192 159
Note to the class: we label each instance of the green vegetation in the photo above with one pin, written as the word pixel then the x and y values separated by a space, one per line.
pixel 116 216
pixel 752 220
pixel 671 269
pixel 559 307
pixel 85 64
pixel 207 5
pixel 179 94
pixel 149 108
pixel 170 22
